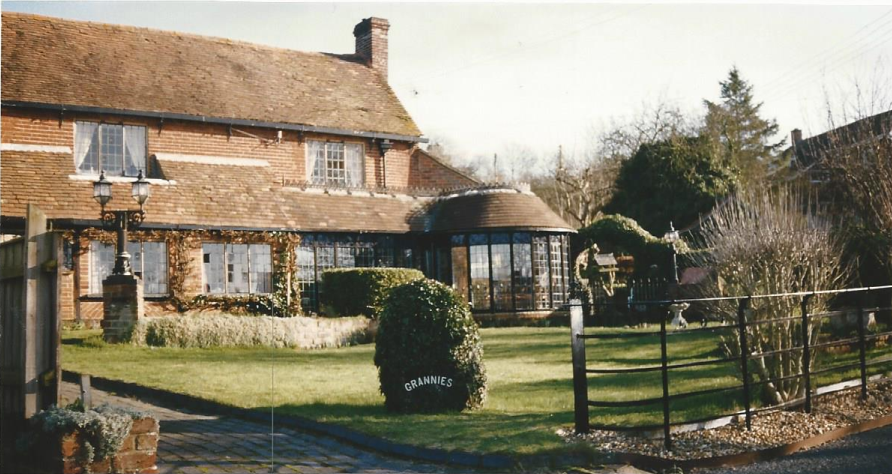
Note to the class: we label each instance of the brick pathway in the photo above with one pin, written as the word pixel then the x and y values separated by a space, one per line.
pixel 193 443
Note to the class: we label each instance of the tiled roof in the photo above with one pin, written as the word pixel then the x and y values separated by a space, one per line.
pixel 209 196
pixel 55 61
pixel 494 208
pixel 811 150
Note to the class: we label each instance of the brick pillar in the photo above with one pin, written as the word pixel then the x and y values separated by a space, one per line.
pixel 122 300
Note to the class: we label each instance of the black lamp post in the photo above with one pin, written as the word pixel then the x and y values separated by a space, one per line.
pixel 672 237
pixel 121 221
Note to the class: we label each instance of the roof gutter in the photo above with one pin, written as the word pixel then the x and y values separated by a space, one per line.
pixel 62 108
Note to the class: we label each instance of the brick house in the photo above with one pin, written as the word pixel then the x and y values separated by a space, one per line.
pixel 267 166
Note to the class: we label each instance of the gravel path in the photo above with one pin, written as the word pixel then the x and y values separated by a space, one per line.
pixel 863 453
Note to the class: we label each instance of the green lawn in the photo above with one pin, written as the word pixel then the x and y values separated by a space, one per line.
pixel 530 384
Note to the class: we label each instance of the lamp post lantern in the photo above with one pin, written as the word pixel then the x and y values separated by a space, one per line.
pixel 672 236
pixel 123 220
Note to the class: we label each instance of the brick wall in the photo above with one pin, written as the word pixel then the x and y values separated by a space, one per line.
pixel 426 172
pixel 138 454
pixel 36 128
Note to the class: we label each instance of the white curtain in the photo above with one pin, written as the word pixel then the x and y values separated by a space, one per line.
pixel 354 164
pixel 86 144
pixel 134 150
pixel 316 162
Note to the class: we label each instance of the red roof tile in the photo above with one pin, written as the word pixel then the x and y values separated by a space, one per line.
pixel 56 61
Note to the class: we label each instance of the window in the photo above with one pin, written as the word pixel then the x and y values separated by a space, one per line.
pixel 540 272
pixel 557 279
pixel 460 265
pixel 523 271
pixel 479 271
pixel 148 260
pixel 337 164
pixel 306 273
pixel 236 268
pixel 119 150
pixel 501 271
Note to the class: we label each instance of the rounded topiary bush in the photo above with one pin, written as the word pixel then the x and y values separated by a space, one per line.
pixel 428 351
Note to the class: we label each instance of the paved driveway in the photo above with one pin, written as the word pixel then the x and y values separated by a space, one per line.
pixel 864 453
pixel 194 443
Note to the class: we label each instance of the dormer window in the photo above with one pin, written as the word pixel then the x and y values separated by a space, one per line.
pixel 119 150
pixel 335 164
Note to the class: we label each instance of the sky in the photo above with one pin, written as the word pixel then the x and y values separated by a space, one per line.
pixel 501 77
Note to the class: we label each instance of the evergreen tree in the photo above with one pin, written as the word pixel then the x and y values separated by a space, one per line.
pixel 741 135
pixel 677 180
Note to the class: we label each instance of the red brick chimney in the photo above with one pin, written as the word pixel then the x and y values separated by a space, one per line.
pixel 371 43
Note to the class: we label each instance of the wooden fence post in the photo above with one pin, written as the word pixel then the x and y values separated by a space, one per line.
pixel 806 352
pixel 742 306
pixel 580 380
pixel 664 360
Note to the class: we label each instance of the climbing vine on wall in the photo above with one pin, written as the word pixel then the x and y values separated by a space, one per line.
pixel 182 246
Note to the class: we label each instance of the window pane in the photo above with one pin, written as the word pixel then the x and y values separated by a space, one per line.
pixel 501 271
pixel 111 140
pixel 134 150
pixel 135 251
pixel 86 147
pixel 346 253
pixel 324 260
pixel 384 252
pixel 540 272
pixel 523 271
pixel 443 259
pixel 354 164
pixel 212 267
pixel 261 268
pixel 335 170
pixel 365 254
pixel 565 265
pixel 237 268
pixel 479 272
pixel 154 265
pixel 557 282
pixel 460 268
pixel 306 277
pixel 101 263
pixel 316 162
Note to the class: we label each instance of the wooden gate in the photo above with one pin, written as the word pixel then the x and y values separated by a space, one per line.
pixel 30 323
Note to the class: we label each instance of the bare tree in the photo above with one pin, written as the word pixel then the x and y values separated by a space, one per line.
pixel 767 243
pixel 578 189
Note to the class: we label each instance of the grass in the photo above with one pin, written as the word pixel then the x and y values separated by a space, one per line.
pixel 529 372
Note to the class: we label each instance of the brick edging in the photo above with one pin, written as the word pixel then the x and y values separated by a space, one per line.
pixel 356 438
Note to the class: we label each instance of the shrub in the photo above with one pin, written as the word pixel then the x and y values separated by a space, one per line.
pixel 353 291
pixel 764 243
pixel 223 330
pixel 623 235
pixel 428 351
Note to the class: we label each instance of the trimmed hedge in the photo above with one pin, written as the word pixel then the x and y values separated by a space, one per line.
pixel 354 291
pixel 224 330
pixel 623 235
pixel 428 351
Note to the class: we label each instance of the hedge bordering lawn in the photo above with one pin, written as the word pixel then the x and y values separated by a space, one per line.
pixel 352 291
pixel 223 330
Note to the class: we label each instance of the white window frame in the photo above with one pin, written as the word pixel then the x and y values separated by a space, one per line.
pixel 250 272
pixel 80 153
pixel 320 172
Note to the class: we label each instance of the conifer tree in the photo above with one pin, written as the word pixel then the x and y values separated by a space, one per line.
pixel 742 137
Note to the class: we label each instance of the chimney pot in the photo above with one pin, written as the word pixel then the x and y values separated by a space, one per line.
pixel 796 135
pixel 371 43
